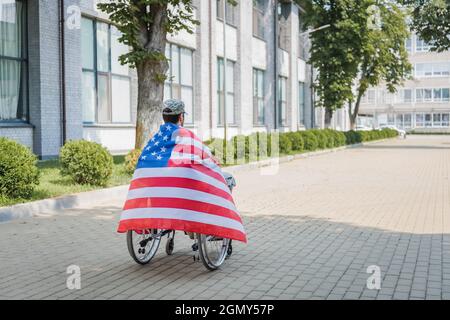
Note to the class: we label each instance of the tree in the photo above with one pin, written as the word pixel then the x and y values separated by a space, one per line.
pixel 431 21
pixel 144 25
pixel 364 46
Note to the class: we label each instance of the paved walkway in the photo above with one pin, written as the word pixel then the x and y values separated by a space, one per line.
pixel 314 228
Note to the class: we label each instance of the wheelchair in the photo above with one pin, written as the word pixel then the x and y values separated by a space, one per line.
pixel 213 251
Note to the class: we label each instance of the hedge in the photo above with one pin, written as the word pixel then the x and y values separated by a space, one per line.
pixel 258 146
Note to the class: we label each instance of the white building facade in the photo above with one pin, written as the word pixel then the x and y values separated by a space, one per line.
pixel 423 103
pixel 59 84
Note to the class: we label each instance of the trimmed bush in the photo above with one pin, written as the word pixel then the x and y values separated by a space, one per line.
pixel 18 172
pixel 309 140
pixel 296 140
pixel 322 138
pixel 86 162
pixel 285 143
pixel 131 160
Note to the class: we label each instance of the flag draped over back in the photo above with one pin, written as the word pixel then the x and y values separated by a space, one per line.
pixel 178 185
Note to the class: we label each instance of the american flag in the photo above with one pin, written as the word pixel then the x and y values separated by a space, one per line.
pixel 178 185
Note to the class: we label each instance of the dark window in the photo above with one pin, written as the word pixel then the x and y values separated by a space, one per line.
pixel 282 101
pixel 301 103
pixel 258 97
pixel 106 83
pixel 258 18
pixel 180 78
pixel 283 26
pixel 13 62
pixel 230 10
pixel 231 119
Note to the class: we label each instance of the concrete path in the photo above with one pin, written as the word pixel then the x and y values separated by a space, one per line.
pixel 314 228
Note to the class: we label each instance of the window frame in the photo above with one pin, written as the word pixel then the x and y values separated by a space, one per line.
pixel 259 97
pixel 109 74
pixel 282 104
pixel 24 95
pixel 258 31
pixel 169 81
pixel 301 102
pixel 220 93
pixel 234 10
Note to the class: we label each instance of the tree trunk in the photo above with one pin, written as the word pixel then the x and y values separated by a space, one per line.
pixel 328 117
pixel 353 114
pixel 151 72
pixel 150 98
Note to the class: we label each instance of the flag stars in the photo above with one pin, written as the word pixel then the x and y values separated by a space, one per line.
pixel 156 143
pixel 168 128
pixel 158 158
pixel 160 134
pixel 163 149
pixel 166 138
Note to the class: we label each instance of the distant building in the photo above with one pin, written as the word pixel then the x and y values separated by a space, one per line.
pixel 58 84
pixel 422 104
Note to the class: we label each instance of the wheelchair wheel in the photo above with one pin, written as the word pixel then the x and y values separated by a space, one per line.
pixel 212 250
pixel 143 245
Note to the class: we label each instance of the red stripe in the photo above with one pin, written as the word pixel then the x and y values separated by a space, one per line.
pixel 199 167
pixel 186 183
pixel 178 203
pixel 182 225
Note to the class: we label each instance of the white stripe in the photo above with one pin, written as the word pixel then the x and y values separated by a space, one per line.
pixel 182 193
pixel 190 141
pixel 173 172
pixel 193 157
pixel 181 214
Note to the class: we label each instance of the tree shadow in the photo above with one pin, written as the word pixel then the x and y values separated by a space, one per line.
pixel 287 257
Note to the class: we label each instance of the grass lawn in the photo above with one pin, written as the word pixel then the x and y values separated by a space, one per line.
pixel 54 185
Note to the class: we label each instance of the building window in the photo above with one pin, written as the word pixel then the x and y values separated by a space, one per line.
pixel 369 97
pixel 438 69
pixel 404 96
pixel 180 78
pixel 258 97
pixel 282 101
pixel 433 95
pixel 408 45
pixel 230 11
pixel 420 120
pixel 258 18
pixel 301 103
pixel 230 91
pixel 283 26
pixel 422 46
pixel 106 83
pixel 13 63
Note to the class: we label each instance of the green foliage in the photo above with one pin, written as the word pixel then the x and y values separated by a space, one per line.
pixel 285 143
pixel 310 140
pixel 86 162
pixel 18 172
pixel 296 140
pixel 145 23
pixel 430 20
pixel 131 160
pixel 355 51
pixel 258 146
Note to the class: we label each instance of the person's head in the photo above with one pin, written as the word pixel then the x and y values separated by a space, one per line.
pixel 173 112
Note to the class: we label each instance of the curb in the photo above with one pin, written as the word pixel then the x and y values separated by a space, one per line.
pixel 54 206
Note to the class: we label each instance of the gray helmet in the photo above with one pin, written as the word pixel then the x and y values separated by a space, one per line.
pixel 173 107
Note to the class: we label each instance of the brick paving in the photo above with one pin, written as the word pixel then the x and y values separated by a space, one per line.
pixel 314 228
